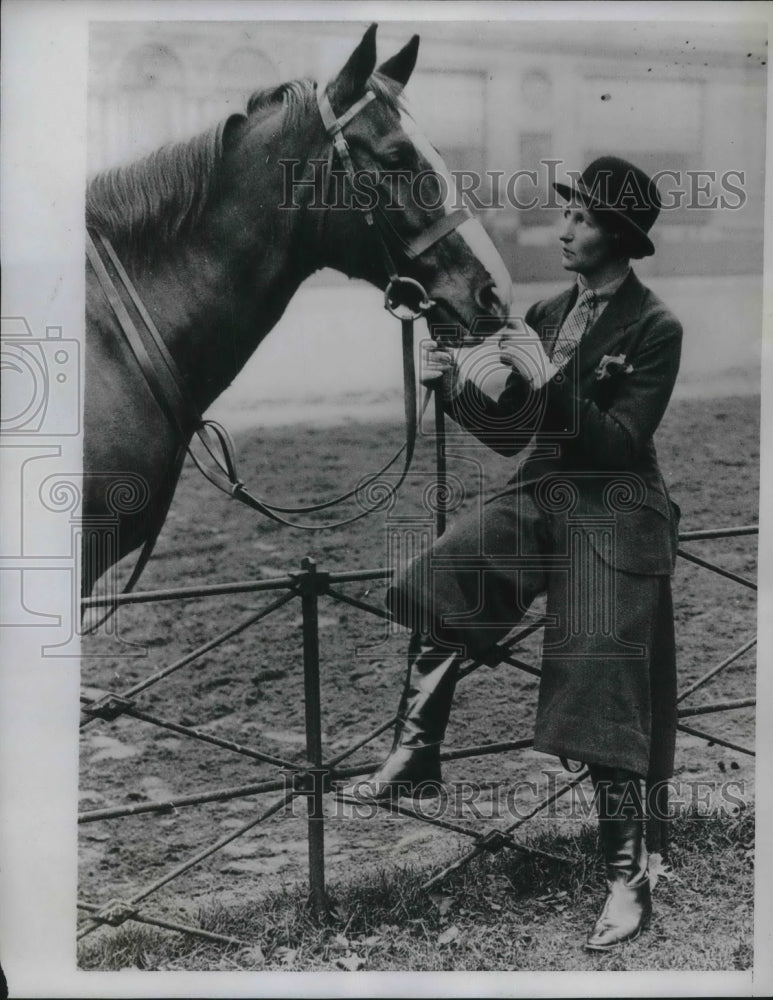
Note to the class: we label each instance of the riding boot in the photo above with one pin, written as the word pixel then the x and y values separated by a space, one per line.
pixel 413 764
pixel 627 906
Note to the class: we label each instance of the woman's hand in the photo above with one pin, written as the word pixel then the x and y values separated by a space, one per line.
pixel 436 362
pixel 521 348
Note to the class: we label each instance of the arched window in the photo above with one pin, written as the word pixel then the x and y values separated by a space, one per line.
pixel 151 67
pixel 151 99
pixel 243 71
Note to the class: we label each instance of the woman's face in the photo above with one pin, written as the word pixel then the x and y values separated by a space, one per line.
pixel 585 247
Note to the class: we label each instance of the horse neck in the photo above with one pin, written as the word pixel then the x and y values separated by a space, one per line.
pixel 225 287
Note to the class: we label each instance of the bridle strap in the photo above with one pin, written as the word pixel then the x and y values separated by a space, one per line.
pixel 173 400
pixel 411 248
pixel 169 389
pixel 334 127
pixel 335 124
pixel 169 392
pixel 439 229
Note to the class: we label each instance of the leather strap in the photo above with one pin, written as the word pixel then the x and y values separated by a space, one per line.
pixel 173 410
pixel 413 247
pixel 168 387
pixel 174 402
pixel 418 245
pixel 333 124
pixel 437 231
pixel 334 128
pixel 169 393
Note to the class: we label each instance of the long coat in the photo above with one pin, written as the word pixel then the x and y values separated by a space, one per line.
pixel 587 519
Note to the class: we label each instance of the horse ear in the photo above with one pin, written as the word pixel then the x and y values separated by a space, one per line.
pixel 229 128
pixel 400 66
pixel 350 82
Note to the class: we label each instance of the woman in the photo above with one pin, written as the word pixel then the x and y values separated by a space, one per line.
pixel 586 519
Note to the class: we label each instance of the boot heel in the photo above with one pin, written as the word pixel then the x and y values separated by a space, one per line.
pixel 413 766
pixel 628 903
pixel 409 771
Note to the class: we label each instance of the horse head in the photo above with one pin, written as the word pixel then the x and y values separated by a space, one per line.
pixel 419 226
pixel 343 177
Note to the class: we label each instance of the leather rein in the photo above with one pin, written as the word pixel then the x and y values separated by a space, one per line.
pixel 168 387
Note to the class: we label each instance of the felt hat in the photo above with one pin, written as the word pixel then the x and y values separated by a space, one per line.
pixel 615 186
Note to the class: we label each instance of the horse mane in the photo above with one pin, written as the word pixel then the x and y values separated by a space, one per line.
pixel 146 206
pixel 154 200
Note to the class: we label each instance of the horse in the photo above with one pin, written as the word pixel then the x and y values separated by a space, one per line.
pixel 216 247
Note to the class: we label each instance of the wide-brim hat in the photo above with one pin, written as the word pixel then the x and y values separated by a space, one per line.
pixel 614 185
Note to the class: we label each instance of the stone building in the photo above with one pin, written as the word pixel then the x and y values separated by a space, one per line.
pixel 531 97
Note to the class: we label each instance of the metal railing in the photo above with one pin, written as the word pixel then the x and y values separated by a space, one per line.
pixel 314 777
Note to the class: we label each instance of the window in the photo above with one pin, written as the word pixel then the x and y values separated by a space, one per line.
pixel 243 71
pixel 151 67
pixel 150 99
pixel 534 149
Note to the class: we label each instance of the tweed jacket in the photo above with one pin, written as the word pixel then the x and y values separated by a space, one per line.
pixel 586 442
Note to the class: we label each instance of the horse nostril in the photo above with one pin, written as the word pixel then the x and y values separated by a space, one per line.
pixel 488 298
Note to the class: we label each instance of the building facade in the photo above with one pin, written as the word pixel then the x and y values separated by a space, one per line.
pixel 510 105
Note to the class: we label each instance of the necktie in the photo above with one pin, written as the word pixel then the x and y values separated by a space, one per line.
pixel 575 325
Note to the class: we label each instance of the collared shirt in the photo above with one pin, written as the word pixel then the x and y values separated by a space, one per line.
pixel 603 294
pixel 584 314
pixel 453 381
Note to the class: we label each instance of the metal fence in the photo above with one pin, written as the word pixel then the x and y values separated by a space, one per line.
pixel 315 777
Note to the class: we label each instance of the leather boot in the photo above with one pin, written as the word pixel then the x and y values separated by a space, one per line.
pixel 627 906
pixel 413 764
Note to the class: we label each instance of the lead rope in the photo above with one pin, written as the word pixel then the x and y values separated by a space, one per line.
pixel 217 443
pixel 180 410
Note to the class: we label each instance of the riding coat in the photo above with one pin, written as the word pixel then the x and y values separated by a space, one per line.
pixel 586 519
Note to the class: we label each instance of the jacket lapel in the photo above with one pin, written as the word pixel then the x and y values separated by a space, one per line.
pixel 555 313
pixel 606 335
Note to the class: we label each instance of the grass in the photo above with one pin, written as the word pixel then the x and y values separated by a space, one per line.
pixel 502 912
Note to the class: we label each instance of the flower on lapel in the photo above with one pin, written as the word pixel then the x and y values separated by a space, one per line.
pixel 613 364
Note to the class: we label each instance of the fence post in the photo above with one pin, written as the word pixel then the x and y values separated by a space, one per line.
pixel 315 800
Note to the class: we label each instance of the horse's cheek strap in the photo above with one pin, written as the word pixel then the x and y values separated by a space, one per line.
pixel 412 248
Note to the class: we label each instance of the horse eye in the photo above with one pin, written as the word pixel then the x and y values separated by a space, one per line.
pixel 401 156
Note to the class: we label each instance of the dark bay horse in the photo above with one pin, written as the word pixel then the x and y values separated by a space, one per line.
pixel 216 247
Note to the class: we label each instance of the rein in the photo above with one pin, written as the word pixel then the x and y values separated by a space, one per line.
pixel 404 298
pixel 167 386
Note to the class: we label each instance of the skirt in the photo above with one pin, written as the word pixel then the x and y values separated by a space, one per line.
pixel 608 684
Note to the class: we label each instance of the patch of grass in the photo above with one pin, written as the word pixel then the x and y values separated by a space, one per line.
pixel 502 912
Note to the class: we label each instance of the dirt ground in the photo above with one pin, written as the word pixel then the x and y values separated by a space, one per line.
pixel 250 690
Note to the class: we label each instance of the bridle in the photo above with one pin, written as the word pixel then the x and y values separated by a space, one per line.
pixel 404 297
pixel 378 221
